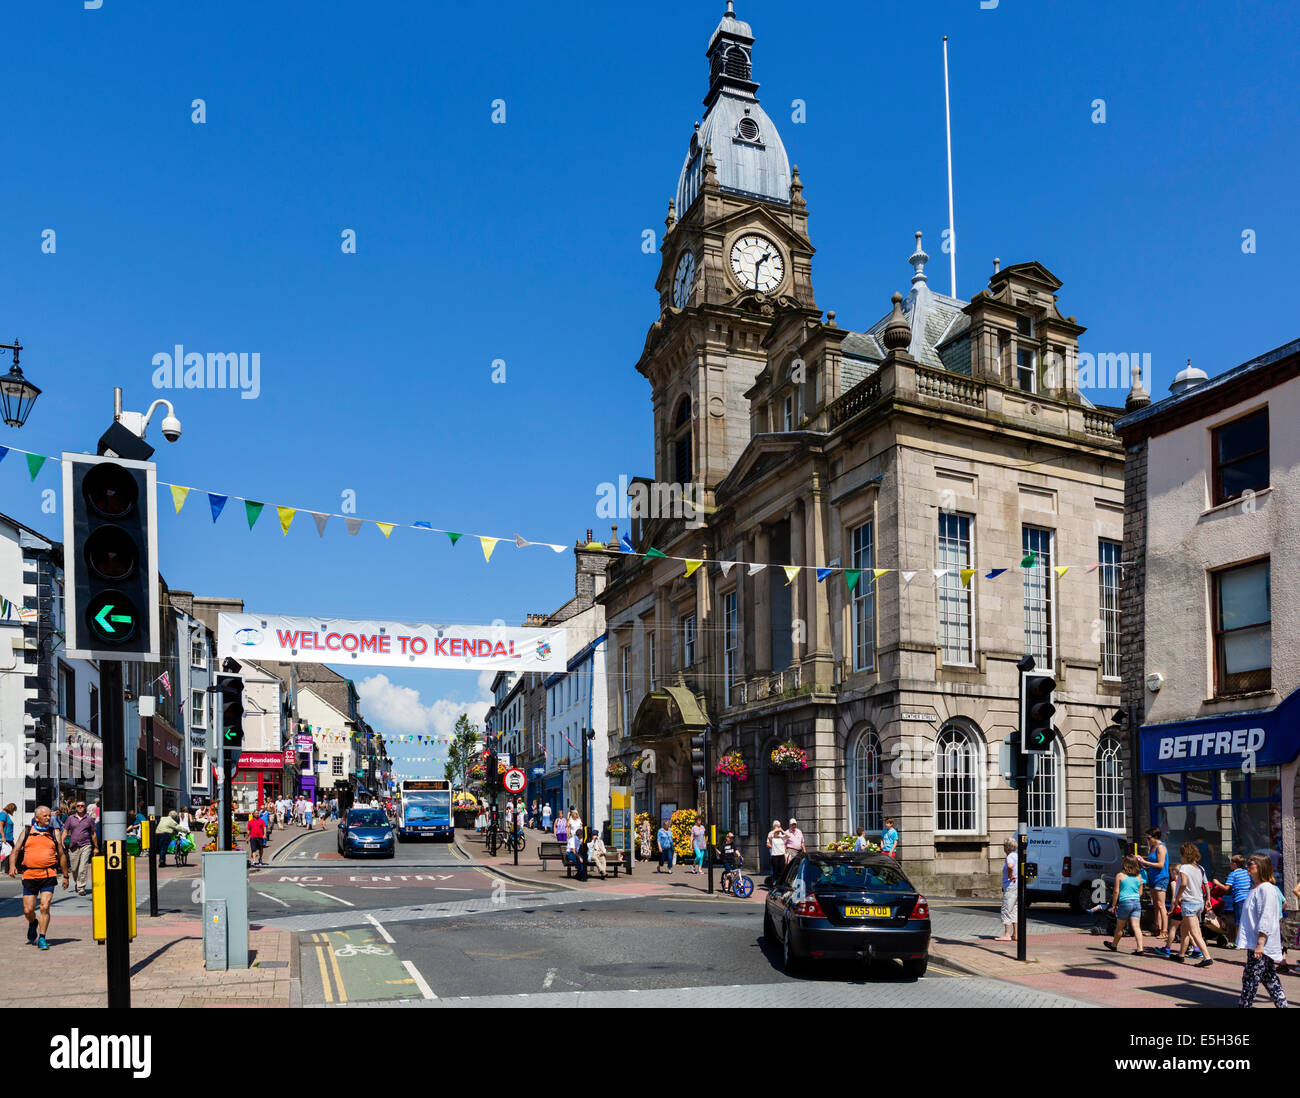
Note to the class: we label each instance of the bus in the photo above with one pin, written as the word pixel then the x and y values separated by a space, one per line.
pixel 425 810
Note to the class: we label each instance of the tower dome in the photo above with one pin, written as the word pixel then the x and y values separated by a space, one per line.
pixel 748 152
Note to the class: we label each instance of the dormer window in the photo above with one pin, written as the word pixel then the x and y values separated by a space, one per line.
pixel 1025 326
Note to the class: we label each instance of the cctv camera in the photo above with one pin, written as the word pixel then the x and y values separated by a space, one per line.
pixel 171 428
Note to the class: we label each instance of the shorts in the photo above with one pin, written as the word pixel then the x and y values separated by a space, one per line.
pixel 1128 910
pixel 1009 904
pixel 257 844
pixel 1193 909
pixel 1159 885
pixel 33 886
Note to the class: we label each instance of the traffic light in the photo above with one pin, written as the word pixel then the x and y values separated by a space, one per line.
pixel 491 778
pixel 110 538
pixel 1036 711
pixel 230 689
pixel 697 757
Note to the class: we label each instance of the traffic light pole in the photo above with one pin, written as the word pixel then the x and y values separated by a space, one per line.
pixel 712 835
pixel 116 893
pixel 1020 763
pixel 153 818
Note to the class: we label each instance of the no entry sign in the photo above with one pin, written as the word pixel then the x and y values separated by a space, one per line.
pixel 515 780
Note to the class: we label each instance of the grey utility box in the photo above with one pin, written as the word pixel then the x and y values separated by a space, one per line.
pixel 225 879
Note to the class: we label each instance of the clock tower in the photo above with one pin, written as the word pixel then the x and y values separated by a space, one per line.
pixel 735 254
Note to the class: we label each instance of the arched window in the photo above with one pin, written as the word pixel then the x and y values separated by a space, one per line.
pixel 680 442
pixel 866 796
pixel 737 63
pixel 1045 790
pixel 957 780
pixel 1109 791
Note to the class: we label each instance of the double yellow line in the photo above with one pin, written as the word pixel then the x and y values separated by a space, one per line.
pixel 325 950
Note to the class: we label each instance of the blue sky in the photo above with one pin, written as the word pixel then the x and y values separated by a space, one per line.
pixel 522 242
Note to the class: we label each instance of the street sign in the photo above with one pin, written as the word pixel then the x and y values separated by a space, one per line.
pixel 514 780
pixel 538 771
pixel 114 849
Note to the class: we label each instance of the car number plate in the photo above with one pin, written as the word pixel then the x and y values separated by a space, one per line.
pixel 867 912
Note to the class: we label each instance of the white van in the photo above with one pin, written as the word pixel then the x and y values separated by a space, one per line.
pixel 1064 862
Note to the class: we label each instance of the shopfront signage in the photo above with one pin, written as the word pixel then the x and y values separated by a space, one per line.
pixel 1233 741
pixel 261 760
pixel 304 743
pixel 290 758
pixel 928 717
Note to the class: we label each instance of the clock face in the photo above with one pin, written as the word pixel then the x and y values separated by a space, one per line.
pixel 684 280
pixel 757 263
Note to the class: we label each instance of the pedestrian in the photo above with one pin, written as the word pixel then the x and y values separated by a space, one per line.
pixel 889 839
pixel 7 830
pixel 186 820
pixel 1158 882
pixel 546 817
pixel 40 851
pixel 307 809
pixel 665 841
pixel 572 846
pixel 82 844
pixel 575 821
pixel 561 828
pixel 1189 894
pixel 164 833
pixel 698 848
pixel 1259 930
pixel 860 843
pixel 794 842
pixel 256 839
pixel 597 846
pixel 731 859
pixel 1010 892
pixel 776 849
pixel 1127 904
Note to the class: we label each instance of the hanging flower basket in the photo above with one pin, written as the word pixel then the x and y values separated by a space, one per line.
pixel 787 756
pixel 618 770
pixel 477 772
pixel 732 765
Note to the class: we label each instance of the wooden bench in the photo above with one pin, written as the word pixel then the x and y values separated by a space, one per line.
pixel 550 852
pixel 554 852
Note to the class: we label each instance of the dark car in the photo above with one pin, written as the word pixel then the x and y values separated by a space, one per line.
pixel 366 831
pixel 850 907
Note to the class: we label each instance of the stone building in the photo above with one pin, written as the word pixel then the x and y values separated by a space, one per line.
pixel 947 443
pixel 1212 609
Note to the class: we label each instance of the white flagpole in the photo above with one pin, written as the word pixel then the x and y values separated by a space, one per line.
pixel 952 229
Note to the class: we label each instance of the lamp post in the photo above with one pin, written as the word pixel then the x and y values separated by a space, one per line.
pixel 17 394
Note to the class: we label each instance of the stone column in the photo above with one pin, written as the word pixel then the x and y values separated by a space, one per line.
pixel 762 616
pixel 798 600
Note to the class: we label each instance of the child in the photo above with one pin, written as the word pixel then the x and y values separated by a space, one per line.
pixel 1127 905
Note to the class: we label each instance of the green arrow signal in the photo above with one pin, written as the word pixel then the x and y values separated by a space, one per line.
pixel 103 618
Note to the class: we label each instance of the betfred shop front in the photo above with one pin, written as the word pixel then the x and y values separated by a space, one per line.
pixel 259 778
pixel 1227 783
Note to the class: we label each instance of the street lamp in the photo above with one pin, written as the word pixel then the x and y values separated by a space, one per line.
pixel 17 394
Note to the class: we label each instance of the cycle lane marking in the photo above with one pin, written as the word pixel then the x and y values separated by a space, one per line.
pixel 425 989
pixel 365 969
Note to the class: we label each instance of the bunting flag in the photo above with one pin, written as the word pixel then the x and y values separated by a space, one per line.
pixel 907 576
pixel 625 544
pixel 654 554
pixel 353 525
pixel 386 527
pixel 488 545
pixel 851 577
pixel 454 537
pixel 791 571
pixel 166 681
pixel 423 526
pixel 876 573
pixel 34 463
pixel 178 497
pixel 1028 560
pixel 754 569
pixel 1091 568
pixel 286 518
pixel 726 566
pixel 967 574
pixel 1060 571
pixel 216 502
pixel 253 510
pixel 320 518
pixel 27 614
pixel 3 450
pixel 691 567
pixel 520 543
pixel 939 573
pixel 995 573
pixel 822 573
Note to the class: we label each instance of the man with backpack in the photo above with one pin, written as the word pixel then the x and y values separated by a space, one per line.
pixel 40 852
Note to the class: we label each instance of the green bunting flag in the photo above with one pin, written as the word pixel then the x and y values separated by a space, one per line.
pixel 1029 559
pixel 655 554
pixel 454 537
pixel 34 463
pixel 851 576
pixel 253 510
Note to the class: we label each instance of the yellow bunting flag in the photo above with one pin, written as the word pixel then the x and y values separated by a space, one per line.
pixel 386 527
pixel 286 518
pixel 878 572
pixel 1060 571
pixel 791 570
pixel 178 496
pixel 966 575
pixel 488 545
pixel 691 565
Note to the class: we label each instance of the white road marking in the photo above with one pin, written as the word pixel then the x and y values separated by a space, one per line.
pixel 380 888
pixel 550 978
pixel 425 989
pixel 280 902
pixel 448 888
pixel 378 926
pixel 334 898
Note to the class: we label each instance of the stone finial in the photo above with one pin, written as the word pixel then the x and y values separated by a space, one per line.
pixel 671 219
pixel 897 335
pixel 1138 397
pixel 918 261
pixel 796 189
pixel 830 319
pixel 710 168
pixel 997 264
pixel 731 9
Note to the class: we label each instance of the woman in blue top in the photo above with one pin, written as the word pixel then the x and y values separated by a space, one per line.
pixel 1127 905
pixel 1158 879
